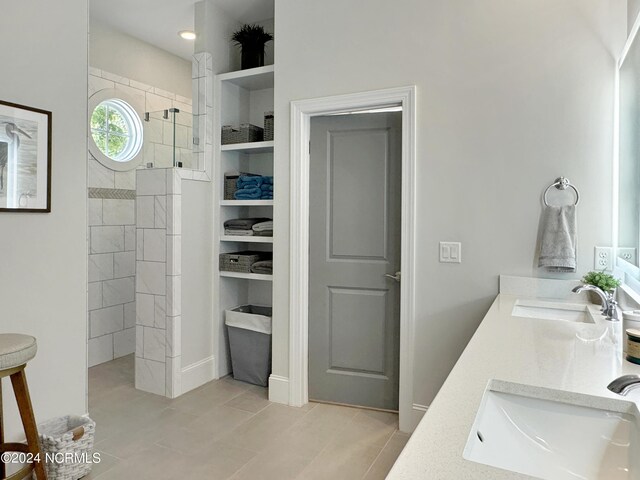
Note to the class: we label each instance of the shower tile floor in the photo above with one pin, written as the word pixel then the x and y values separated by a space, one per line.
pixel 229 430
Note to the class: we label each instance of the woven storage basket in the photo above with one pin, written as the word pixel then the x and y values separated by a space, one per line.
pixel 268 126
pixel 246 133
pixel 69 435
pixel 241 261
pixel 230 185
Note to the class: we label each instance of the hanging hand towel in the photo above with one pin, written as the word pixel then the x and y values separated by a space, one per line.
pixel 558 243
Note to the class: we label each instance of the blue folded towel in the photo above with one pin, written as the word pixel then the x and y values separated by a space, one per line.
pixel 266 188
pixel 248 181
pixel 267 179
pixel 266 196
pixel 248 193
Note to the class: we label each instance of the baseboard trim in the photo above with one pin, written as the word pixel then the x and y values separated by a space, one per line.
pixel 417 412
pixel 279 389
pixel 198 373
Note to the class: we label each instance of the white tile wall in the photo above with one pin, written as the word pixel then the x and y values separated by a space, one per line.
pixel 155 245
pixel 118 212
pixel 150 277
pixel 124 342
pixel 107 239
pixel 100 350
pixel 100 267
pixel 150 376
pixel 106 320
pixel 118 292
pixel 124 264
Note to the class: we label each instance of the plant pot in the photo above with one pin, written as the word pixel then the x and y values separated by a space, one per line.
pixel 252 56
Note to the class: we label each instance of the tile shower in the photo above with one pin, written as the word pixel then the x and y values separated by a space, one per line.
pixel 112 224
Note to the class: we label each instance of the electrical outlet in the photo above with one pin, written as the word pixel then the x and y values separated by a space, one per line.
pixel 603 258
pixel 628 255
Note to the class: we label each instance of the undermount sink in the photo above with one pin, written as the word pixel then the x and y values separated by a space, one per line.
pixel 565 312
pixel 555 435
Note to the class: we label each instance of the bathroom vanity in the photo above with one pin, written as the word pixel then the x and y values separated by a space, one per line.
pixel 529 394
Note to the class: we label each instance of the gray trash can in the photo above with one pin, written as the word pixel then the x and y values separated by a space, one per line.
pixel 249 328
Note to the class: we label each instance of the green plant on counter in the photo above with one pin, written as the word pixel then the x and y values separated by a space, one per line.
pixel 602 280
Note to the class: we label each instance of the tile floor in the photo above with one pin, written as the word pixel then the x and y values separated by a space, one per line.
pixel 229 430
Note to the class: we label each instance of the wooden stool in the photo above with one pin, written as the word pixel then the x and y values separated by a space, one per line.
pixel 15 351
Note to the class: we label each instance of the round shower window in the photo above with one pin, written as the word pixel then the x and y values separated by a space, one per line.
pixel 116 131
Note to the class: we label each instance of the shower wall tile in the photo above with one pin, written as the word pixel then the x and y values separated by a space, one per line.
pixel 95 211
pixel 155 245
pixel 140 86
pixel 145 213
pixel 115 78
pixel 151 181
pixel 124 264
pixel 116 237
pixel 130 315
pixel 99 176
pixel 100 350
pixel 100 267
pixel 154 344
pixel 160 212
pixel 145 309
pixel 118 292
pixel 119 212
pixel 106 320
pixel 160 311
pixel 150 376
pixel 125 180
pixel 150 277
pixel 124 342
pixel 107 239
pixel 174 336
pixel 94 295
pixel 174 253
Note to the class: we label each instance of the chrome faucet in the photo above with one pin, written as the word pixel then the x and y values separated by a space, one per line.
pixel 609 305
pixel 623 384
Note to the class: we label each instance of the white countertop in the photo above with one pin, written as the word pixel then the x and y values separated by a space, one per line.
pixel 572 357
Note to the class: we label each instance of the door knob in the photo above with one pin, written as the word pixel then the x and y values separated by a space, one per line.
pixel 395 277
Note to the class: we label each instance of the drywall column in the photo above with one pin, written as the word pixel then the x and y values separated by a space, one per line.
pixel 43 284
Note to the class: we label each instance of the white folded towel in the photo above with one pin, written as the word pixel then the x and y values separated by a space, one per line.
pixel 238 232
pixel 262 226
pixel 558 242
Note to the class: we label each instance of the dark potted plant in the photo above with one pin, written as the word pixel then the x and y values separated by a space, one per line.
pixel 252 39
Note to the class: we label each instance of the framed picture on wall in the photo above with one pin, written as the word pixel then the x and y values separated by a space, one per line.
pixel 25 158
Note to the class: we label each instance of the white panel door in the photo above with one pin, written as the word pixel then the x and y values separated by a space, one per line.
pixel 355 214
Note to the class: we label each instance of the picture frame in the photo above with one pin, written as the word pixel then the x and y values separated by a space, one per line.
pixel 25 158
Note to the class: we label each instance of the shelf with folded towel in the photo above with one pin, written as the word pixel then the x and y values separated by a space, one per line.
pixel 250 147
pixel 246 239
pixel 248 276
pixel 246 203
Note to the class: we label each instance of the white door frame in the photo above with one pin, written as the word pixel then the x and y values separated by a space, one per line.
pixel 301 113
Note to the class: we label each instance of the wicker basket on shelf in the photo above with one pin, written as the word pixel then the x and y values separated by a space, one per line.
pixel 245 134
pixel 241 261
pixel 268 126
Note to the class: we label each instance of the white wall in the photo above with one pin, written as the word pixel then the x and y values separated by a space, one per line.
pixel 510 96
pixel 197 262
pixel 633 8
pixel 119 53
pixel 43 272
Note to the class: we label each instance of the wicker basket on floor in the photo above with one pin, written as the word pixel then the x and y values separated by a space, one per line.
pixel 64 437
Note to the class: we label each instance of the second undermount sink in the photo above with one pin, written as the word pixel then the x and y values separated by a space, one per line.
pixel 555 435
pixel 566 312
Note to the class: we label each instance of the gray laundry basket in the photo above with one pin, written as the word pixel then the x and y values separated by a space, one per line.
pixel 249 328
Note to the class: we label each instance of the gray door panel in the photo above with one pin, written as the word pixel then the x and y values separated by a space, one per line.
pixel 354 311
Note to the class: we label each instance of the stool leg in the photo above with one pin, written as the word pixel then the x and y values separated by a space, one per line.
pixel 3 472
pixel 21 390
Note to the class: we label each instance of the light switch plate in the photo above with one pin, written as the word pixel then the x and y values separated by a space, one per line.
pixel 450 252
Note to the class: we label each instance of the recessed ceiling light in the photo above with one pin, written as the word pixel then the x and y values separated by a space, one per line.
pixel 187 34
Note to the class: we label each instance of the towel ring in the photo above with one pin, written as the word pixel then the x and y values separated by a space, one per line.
pixel 561 183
